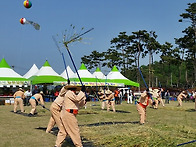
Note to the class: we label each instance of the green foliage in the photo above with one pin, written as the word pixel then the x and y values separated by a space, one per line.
pixel 177 65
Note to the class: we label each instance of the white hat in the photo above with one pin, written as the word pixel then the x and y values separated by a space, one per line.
pixel 108 91
pixel 156 90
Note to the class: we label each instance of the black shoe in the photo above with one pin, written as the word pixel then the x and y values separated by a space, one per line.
pixel 30 115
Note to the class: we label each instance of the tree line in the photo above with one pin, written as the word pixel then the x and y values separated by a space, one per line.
pixel 177 64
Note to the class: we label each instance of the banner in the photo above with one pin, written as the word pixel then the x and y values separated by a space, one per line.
pixel 14 83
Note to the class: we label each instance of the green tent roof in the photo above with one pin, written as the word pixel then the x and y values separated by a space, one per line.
pixel 83 67
pixel 98 69
pixel 4 64
pixel 46 63
pixel 46 79
pixel 114 69
pixel 116 77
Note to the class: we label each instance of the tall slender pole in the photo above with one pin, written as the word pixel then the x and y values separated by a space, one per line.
pixel 142 77
pixel 66 46
pixel 74 65
pixel 68 81
pixel 187 142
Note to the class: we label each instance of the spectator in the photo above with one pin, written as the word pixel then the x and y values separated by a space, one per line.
pixel 28 95
pixel 129 97
pixel 116 95
pixel 167 95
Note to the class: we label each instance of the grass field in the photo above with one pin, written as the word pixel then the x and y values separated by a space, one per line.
pixel 167 126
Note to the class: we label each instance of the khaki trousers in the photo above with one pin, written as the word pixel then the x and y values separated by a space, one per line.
pixel 70 127
pixel 20 102
pixel 195 104
pixel 55 110
pixel 179 102
pixel 111 103
pixel 103 104
pixel 161 101
pixel 156 104
pixel 33 106
pixel 142 113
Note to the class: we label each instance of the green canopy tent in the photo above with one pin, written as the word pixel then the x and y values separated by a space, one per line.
pixel 8 77
pixel 115 76
pixel 46 75
pixel 102 79
pixel 87 78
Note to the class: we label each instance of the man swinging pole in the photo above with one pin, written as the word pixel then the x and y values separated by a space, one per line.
pixel 70 106
pixel 143 101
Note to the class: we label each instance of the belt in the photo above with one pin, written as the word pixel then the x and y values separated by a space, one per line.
pixel 74 111
pixel 154 98
pixel 18 97
pixel 112 99
pixel 33 97
pixel 143 106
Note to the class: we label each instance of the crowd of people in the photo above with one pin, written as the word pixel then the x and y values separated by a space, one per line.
pixel 70 98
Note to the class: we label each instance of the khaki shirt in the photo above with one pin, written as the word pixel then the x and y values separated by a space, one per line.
pixel 38 97
pixel 59 100
pixel 110 96
pixel 155 95
pixel 20 94
pixel 73 101
pixel 144 98
pixel 181 96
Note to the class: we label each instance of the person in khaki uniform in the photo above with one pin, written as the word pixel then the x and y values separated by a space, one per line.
pixel 160 100
pixel 195 103
pixel 102 96
pixel 34 101
pixel 18 99
pixel 142 104
pixel 111 100
pixel 194 96
pixel 182 95
pixel 55 110
pixel 71 104
pixel 155 96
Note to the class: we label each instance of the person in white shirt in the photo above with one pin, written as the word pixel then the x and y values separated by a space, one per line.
pixel 129 97
pixel 28 95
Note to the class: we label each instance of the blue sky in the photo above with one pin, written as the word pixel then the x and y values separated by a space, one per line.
pixel 22 45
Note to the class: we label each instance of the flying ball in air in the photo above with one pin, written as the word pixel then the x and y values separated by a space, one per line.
pixel 25 21
pixel 27 4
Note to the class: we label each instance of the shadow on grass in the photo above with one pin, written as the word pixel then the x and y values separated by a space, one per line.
pixel 54 130
pixel 68 142
pixel 110 123
pixel 190 110
pixel 99 109
pixel 24 114
pixel 121 111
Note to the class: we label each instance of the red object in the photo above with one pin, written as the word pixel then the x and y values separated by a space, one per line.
pixel 74 111
pixel 116 92
pixel 22 20
pixel 56 93
pixel 27 4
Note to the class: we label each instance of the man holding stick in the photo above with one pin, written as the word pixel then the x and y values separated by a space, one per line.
pixel 142 104
pixel 55 110
pixel 34 101
pixel 71 104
